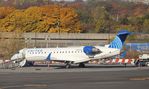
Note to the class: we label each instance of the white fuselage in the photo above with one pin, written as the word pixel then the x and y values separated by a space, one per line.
pixel 57 54
pixel 73 54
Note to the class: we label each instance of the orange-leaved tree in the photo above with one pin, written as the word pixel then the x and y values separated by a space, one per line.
pixel 4 11
pixel 52 18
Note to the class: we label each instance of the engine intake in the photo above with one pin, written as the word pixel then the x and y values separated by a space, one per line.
pixel 90 50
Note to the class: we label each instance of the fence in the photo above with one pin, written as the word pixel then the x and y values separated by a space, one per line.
pixel 142 47
pixel 54 39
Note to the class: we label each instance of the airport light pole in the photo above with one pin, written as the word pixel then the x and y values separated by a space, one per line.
pixel 109 27
pixel 58 23
pixel 58 18
pixel 35 41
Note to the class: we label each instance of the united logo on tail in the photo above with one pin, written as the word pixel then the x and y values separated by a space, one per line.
pixel 119 39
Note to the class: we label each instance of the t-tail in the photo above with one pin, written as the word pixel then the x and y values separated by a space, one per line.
pixel 119 40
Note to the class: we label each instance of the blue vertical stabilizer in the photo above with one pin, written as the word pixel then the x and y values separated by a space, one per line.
pixel 119 39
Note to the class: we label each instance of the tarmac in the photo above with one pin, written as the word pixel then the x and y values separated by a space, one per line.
pixel 91 77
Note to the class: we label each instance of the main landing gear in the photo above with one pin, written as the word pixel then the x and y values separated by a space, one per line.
pixel 82 65
pixel 68 65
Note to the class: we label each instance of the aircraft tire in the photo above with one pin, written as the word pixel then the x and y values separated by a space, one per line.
pixel 82 65
pixel 30 63
pixel 68 66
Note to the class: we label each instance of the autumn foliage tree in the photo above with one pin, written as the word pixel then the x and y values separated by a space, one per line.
pixel 4 11
pixel 51 18
pixel 76 16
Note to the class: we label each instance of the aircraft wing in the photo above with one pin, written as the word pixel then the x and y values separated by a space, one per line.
pixel 74 59
pixel 106 55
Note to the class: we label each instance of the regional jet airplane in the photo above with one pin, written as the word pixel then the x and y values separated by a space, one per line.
pixel 69 55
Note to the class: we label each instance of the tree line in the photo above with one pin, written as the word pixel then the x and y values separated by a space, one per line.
pixel 90 16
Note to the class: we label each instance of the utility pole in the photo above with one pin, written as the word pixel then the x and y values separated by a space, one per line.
pixel 35 41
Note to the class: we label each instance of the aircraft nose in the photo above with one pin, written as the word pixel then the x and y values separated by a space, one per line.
pixel 17 56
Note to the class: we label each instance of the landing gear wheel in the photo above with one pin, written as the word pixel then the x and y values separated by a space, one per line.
pixel 82 65
pixel 30 63
pixel 23 63
pixel 68 65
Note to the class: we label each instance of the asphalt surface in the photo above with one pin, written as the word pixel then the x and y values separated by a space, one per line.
pixel 75 78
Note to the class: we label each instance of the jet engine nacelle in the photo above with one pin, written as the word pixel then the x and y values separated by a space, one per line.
pixel 91 51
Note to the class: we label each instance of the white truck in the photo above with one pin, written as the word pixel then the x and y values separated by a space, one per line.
pixel 143 60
